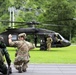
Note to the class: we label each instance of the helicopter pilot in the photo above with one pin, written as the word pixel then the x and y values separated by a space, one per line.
pixel 56 39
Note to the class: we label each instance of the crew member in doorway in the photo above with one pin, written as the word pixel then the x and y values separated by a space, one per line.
pixel 49 41
pixel 35 40
pixel 57 40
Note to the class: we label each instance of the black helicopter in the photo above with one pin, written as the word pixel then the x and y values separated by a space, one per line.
pixel 39 35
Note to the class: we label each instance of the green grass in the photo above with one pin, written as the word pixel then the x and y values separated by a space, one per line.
pixel 55 55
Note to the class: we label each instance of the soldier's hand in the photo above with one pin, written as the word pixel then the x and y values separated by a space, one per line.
pixel 9 36
pixel 33 45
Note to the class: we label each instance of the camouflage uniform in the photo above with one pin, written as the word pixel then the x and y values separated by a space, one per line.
pixel 49 41
pixel 22 57
pixel 4 52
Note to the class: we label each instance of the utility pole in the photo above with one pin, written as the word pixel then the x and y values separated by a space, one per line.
pixel 12 13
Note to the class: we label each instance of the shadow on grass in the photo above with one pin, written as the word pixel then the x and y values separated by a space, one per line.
pixel 58 50
pixel 54 50
pixel 38 49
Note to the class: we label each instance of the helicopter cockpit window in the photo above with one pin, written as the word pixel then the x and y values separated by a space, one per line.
pixel 14 37
pixel 59 37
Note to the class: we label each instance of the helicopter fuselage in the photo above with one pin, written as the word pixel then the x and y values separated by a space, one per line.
pixel 38 35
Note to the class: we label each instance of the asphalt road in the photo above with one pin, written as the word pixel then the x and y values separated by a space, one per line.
pixel 47 69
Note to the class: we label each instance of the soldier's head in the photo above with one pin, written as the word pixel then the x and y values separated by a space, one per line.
pixel 48 36
pixel 21 36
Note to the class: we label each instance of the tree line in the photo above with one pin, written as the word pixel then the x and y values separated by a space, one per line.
pixel 61 13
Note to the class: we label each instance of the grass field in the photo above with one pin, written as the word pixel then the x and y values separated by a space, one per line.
pixel 55 55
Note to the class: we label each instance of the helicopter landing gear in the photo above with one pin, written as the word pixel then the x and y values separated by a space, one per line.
pixel 43 45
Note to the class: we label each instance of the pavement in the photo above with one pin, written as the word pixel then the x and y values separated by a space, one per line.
pixel 47 69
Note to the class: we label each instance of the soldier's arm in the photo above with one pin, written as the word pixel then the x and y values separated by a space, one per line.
pixel 51 39
pixel 10 38
pixel 30 45
pixel 12 43
pixel 7 57
pixel 2 44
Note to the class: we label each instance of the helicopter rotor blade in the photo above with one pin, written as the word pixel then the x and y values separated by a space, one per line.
pixel 62 20
pixel 33 23
pixel 51 25
pixel 27 23
pixel 10 21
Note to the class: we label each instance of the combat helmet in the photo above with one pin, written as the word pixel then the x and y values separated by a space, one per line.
pixel 22 35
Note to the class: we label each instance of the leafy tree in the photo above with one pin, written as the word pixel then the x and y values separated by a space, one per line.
pixel 44 11
pixel 60 10
pixel 4 4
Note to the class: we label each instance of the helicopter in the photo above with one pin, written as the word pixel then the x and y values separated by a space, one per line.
pixel 39 35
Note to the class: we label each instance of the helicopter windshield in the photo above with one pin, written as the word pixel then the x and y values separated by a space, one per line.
pixel 60 37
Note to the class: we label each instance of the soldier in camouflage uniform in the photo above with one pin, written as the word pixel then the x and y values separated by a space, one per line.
pixel 22 57
pixel 49 41
pixel 4 52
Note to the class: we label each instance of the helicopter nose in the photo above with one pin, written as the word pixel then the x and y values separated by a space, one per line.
pixel 68 43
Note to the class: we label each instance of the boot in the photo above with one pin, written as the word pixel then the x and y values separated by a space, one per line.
pixel 10 70
pixel 20 70
pixel 24 70
pixel 24 67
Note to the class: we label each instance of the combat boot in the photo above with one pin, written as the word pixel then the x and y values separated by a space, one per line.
pixel 20 70
pixel 10 71
pixel 24 67
pixel 24 70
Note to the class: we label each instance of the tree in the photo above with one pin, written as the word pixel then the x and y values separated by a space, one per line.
pixel 60 10
pixel 48 11
pixel 4 4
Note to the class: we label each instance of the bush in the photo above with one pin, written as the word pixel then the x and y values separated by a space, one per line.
pixel 74 40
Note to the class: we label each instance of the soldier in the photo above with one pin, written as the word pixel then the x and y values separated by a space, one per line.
pixel 3 51
pixel 57 39
pixel 49 41
pixel 22 57
pixel 35 40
